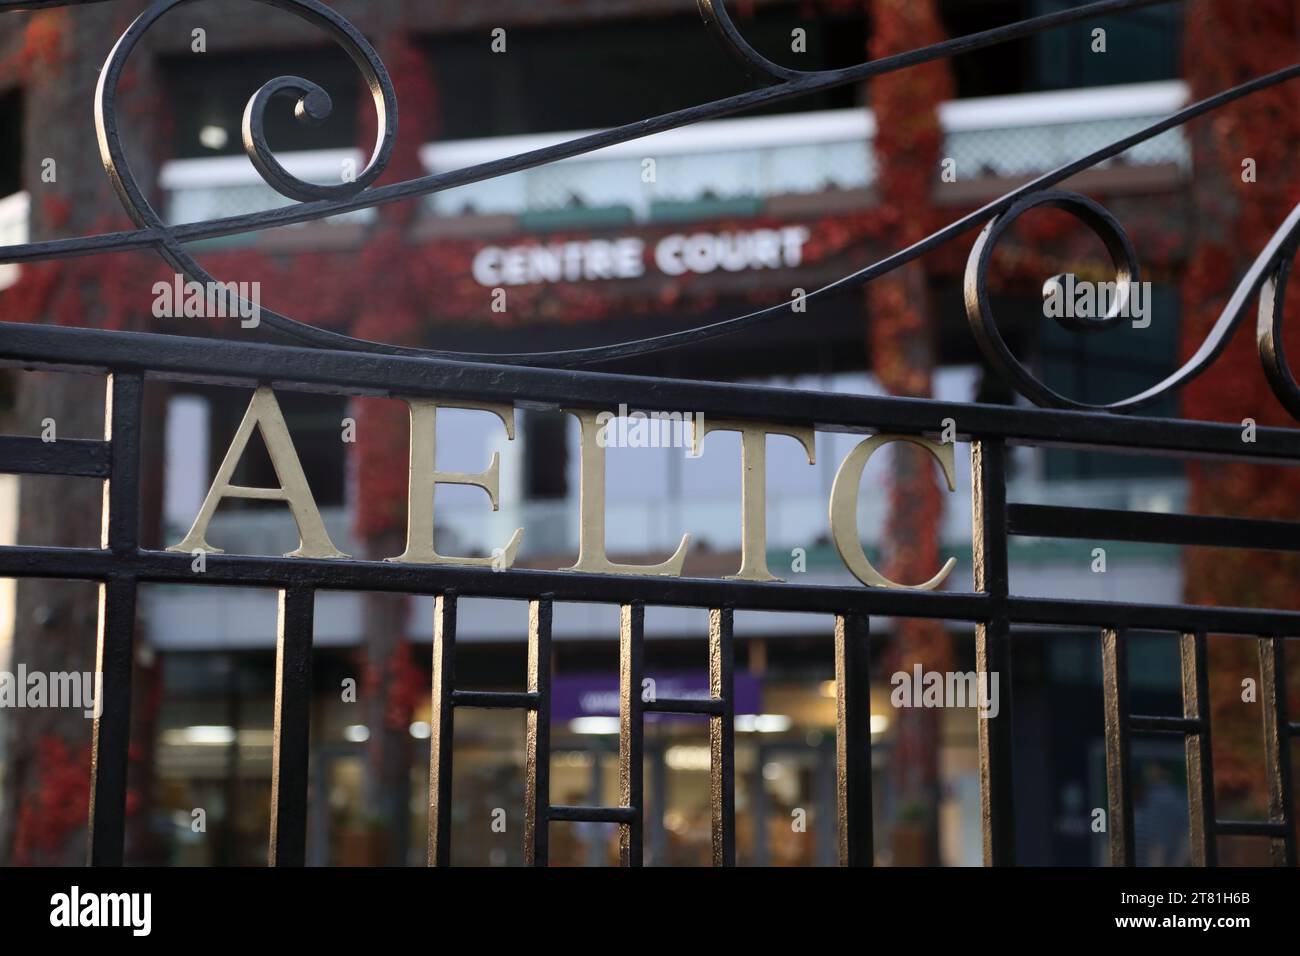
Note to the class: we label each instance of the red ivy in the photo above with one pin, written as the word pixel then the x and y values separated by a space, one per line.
pixel 1228 43
pixel 907 145
pixel 58 806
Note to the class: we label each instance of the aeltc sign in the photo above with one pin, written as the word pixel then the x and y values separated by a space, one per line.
pixel 264 414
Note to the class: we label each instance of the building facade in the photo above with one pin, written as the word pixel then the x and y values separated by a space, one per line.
pixel 685 228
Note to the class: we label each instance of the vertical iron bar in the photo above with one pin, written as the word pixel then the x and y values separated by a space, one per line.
pixel 115 638
pixel 595 789
pixel 631 732
pixel 291 754
pixel 121 519
pixel 993 648
pixel 1114 681
pixel 853 739
pixel 537 736
pixel 1200 763
pixel 758 808
pixel 825 789
pixel 656 801
pixel 441 728
pixel 1277 746
pixel 722 737
pixel 112 730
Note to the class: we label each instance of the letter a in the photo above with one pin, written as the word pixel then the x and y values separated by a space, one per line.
pixel 265 415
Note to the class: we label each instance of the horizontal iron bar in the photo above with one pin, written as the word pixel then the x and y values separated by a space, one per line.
pixel 592 814
pixel 1184 618
pixel 1266 828
pixel 1144 724
pixel 668 705
pixel 80 457
pixel 1293 729
pixel 214 360
pixel 349 575
pixel 1104 524
pixel 167 567
pixel 14 5
pixel 495 700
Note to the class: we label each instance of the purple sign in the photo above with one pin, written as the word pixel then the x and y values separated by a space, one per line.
pixel 596 695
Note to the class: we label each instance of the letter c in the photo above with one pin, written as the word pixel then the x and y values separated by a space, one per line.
pixel 844 509
pixel 487 266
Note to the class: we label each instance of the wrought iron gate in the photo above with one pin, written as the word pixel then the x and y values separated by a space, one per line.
pixel 329 362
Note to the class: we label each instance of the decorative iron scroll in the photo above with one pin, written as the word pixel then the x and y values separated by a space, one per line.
pixel 1267 276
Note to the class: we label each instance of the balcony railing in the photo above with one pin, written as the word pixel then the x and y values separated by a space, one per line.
pixel 655 525
pixel 725 167
pixel 199 189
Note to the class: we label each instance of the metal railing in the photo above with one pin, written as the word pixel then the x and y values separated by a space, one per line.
pixel 121 566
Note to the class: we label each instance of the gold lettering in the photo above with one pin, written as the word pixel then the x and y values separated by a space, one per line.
pixel 425 478
pixel 844 509
pixel 265 415
pixel 753 488
pixel 591 507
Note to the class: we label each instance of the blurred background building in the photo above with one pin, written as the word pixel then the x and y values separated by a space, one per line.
pixel 729 216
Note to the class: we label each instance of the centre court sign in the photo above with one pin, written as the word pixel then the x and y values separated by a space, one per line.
pixel 674 255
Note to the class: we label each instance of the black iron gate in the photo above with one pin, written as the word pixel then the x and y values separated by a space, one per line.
pixel 333 363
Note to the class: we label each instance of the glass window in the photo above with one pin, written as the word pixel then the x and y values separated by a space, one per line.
pixel 209 92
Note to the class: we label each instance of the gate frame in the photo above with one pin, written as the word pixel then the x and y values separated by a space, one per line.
pixel 120 565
